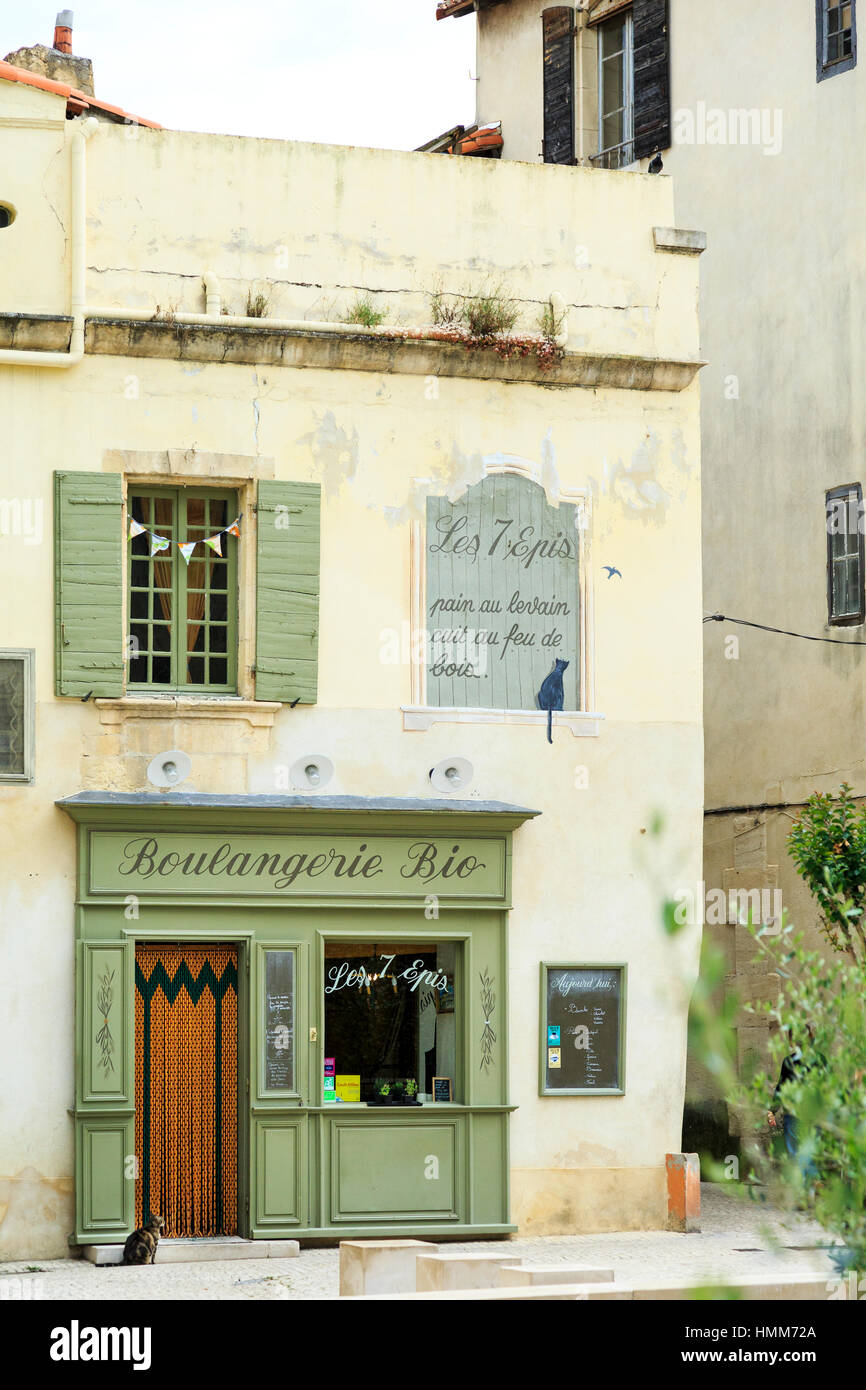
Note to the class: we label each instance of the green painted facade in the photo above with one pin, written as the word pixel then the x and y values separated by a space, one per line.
pixel 306 1168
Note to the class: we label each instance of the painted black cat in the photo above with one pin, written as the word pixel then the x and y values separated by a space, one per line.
pixel 140 1247
pixel 551 696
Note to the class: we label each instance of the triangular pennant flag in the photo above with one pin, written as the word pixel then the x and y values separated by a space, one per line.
pixel 186 548
pixel 135 528
pixel 214 542
pixel 235 528
pixel 158 543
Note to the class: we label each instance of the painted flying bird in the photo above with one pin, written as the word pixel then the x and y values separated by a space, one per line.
pixel 656 165
pixel 611 571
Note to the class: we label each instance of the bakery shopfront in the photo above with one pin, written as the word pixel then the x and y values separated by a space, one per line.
pixel 291 1015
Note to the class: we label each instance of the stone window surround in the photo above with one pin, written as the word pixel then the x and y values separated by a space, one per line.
pixel 193 468
pixel 585 722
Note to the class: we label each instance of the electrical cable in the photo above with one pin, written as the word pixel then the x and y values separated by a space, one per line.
pixel 785 632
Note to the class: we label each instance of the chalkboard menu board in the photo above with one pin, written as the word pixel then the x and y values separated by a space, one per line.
pixel 583 1029
pixel 279 1020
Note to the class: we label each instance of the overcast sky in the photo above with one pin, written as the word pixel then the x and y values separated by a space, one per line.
pixel 348 72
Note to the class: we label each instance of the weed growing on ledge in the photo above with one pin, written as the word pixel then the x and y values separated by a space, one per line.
pixel 364 312
pixel 258 303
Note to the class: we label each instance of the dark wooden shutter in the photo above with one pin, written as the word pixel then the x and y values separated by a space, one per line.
pixel 652 91
pixel 287 592
pixel 558 32
pixel 88 584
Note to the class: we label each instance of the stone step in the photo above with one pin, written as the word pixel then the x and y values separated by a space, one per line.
pixel 182 1251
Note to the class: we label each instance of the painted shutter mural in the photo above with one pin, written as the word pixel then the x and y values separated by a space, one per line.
pixel 287 591
pixel 502 595
pixel 88 584
pixel 652 102
pixel 558 37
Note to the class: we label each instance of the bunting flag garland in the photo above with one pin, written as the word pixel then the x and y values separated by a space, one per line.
pixel 159 543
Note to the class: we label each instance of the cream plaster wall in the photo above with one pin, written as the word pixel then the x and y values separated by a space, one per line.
pixel 588 878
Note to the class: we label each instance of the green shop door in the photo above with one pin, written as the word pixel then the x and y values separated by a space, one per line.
pixel 186 1087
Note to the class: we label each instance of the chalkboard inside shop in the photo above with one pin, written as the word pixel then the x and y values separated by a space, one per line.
pixel 583 1029
pixel 279 1020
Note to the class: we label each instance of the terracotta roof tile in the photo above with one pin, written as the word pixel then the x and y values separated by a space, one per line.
pixel 446 8
pixel 76 102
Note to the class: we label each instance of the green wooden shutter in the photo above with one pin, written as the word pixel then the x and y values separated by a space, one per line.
pixel 88 584
pixel 287 592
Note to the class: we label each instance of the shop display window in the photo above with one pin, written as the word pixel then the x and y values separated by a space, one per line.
pixel 390 1021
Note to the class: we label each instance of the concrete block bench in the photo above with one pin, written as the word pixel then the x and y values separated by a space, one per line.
pixel 380 1266
pixel 460 1270
pixel 515 1275
pixel 525 1293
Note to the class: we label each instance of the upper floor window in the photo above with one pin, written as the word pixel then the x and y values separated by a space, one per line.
pixel 616 92
pixel 633 57
pixel 837 36
pixel 183 611
pixel 845 555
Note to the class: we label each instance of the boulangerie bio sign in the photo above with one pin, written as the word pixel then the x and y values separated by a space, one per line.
pixel 295 865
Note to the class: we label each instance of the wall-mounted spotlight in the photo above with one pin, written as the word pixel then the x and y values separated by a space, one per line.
pixel 312 772
pixel 452 775
pixel 169 768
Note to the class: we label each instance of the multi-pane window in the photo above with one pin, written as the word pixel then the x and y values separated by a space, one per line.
pixel 16 715
pixel 837 36
pixel 183 617
pixel 845 555
pixel 616 92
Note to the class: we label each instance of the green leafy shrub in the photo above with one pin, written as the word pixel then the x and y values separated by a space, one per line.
pixel 828 846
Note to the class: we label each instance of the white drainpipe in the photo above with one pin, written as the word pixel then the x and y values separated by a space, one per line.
pixel 213 294
pixel 12 357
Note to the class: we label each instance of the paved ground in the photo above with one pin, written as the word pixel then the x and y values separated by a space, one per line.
pixel 738 1237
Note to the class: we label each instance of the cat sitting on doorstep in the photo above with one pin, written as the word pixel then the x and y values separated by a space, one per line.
pixel 140 1247
pixel 551 696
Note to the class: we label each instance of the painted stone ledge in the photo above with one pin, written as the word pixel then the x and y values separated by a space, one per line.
pixel 679 241
pixel 35 332
pixel 412 355
pixel 259 714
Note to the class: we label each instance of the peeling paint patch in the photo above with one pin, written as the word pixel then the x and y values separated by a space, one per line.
pixel 38 1215
pixel 635 486
pixel 336 453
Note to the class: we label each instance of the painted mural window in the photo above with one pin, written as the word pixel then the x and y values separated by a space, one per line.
pixel 837 36
pixel 182 590
pixel 502 597
pixel 16 716
pixel 616 92
pixel 845 555
pixel 390 1021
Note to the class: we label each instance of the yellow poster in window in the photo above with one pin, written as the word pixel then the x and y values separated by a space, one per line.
pixel 348 1088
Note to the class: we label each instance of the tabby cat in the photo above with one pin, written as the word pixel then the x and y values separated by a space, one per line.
pixel 140 1247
